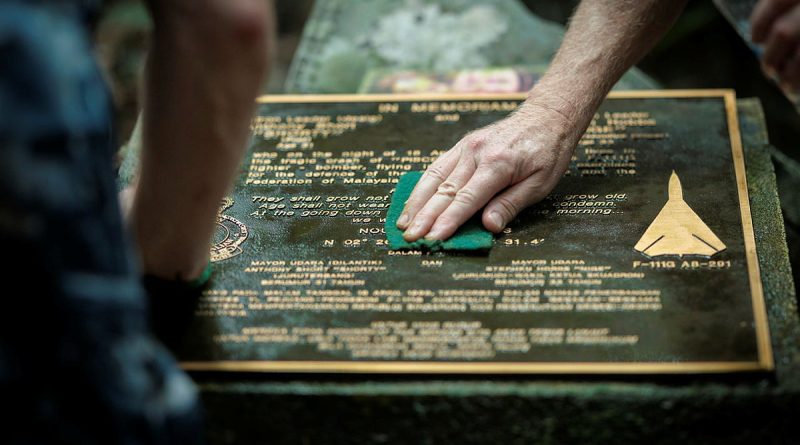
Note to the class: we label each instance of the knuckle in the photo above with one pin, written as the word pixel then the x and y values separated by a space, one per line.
pixel 423 217
pixel 474 141
pixel 436 172
pixel 499 163
pixel 508 206
pixel 503 170
pixel 448 189
pixel 496 157
pixel 465 196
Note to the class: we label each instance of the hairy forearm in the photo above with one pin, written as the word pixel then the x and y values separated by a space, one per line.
pixel 604 39
pixel 515 162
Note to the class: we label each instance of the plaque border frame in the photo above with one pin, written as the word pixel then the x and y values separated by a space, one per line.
pixel 765 360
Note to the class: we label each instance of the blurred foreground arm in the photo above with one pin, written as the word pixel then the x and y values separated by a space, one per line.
pixel 523 156
pixel 776 25
pixel 206 66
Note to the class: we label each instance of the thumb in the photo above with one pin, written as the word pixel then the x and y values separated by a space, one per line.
pixel 503 208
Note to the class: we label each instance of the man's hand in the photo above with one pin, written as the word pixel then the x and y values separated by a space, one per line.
pixel 522 157
pixel 776 25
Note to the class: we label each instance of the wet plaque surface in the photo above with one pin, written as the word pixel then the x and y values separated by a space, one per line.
pixel 641 261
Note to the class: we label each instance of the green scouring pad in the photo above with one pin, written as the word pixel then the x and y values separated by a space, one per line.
pixel 470 236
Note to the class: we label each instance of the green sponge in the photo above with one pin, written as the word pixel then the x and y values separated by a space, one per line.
pixel 470 236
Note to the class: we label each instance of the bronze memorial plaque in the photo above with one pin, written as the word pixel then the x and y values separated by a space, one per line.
pixel 641 261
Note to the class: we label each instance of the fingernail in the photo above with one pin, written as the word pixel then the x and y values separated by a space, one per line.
pixel 496 219
pixel 434 234
pixel 413 232
pixel 403 220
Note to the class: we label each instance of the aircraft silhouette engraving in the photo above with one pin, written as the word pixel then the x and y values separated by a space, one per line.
pixel 677 230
